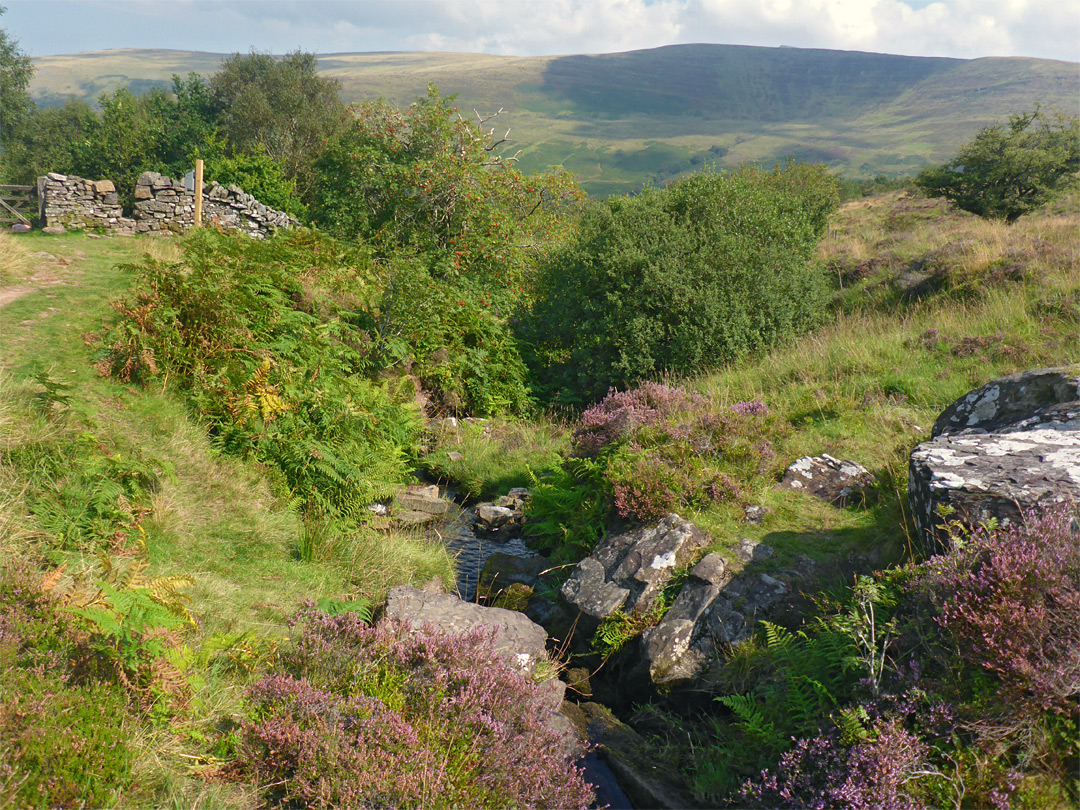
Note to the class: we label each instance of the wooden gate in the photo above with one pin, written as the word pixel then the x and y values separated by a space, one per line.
pixel 18 204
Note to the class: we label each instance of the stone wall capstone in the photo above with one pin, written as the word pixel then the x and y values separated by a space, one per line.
pixel 162 205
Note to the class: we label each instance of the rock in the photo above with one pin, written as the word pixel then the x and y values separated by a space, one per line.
pixel 577 681
pixel 515 499
pixel 491 518
pixel 836 481
pixel 1008 447
pixel 518 640
pixel 756 514
pixel 424 490
pixel 753 551
pixel 629 756
pixel 411 518
pixel 1004 401
pixel 417 502
pixel 455 456
pixel 502 570
pixel 104 187
pixel 143 193
pixel 667 647
pixel 629 570
pixel 55 230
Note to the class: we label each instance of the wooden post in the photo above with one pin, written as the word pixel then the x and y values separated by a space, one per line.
pixel 198 193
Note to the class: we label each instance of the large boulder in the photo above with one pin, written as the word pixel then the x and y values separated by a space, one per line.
pixel 519 640
pixel 838 481
pixel 1008 447
pixel 628 571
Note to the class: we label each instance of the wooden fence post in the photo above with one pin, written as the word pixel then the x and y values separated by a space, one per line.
pixel 198 192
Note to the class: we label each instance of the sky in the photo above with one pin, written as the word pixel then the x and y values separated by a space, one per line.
pixel 959 28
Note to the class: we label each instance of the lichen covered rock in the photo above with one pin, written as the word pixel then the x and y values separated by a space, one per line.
pixel 1008 447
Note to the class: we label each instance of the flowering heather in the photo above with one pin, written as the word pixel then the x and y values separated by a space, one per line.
pixel 1010 601
pixel 387 717
pixel 618 415
pixel 822 773
pixel 754 407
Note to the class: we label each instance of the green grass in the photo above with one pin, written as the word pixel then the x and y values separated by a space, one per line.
pixel 866 386
pixel 494 455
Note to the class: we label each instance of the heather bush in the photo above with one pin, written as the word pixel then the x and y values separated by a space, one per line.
pixel 64 737
pixel 385 716
pixel 1008 600
pixel 664 448
pixel 822 773
pixel 619 415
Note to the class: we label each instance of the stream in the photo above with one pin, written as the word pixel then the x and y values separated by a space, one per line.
pixel 471 552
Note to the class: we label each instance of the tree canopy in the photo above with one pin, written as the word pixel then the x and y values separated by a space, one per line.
pixel 280 107
pixel 16 71
pixel 681 279
pixel 1009 169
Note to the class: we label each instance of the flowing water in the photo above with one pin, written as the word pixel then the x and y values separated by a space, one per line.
pixel 472 550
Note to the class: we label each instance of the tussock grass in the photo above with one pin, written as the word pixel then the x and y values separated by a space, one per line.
pixel 496 454
pixel 16 260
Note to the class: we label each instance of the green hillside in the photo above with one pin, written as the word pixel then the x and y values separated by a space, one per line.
pixel 621 120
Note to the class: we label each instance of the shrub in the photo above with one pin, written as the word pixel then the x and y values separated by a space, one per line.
pixel 386 716
pixel 63 735
pixel 822 772
pixel 681 280
pixel 267 341
pixel 664 448
pixel 426 179
pixel 1008 600
pixel 1006 171
pixel 619 415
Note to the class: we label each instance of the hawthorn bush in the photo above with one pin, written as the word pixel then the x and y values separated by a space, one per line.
pixel 385 716
pixel 1009 170
pixel 681 279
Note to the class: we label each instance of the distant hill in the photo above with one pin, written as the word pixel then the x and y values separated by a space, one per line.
pixel 620 120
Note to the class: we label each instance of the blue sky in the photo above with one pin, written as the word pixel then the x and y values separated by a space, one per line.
pixel 960 28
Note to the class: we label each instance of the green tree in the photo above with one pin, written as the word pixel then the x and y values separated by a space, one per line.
pixel 1008 170
pixel 16 71
pixel 426 179
pixel 53 139
pixel 680 279
pixel 279 107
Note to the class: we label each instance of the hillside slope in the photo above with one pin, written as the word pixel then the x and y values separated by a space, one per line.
pixel 620 120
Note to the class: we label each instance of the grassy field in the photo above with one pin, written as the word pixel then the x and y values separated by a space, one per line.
pixel 621 120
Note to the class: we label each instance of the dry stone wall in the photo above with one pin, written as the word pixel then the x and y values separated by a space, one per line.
pixel 77 203
pixel 162 205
